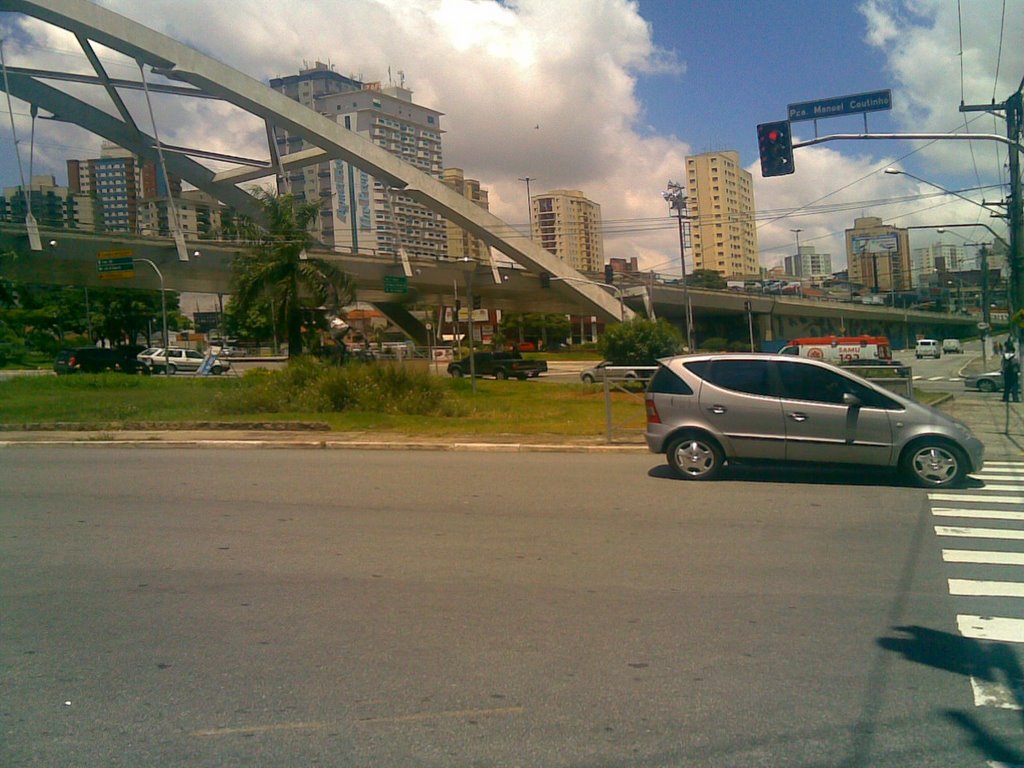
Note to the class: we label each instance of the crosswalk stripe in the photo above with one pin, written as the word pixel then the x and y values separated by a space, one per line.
pixel 991 514
pixel 988 693
pixel 978 533
pixel 976 588
pixel 1018 464
pixel 991 628
pixel 1018 500
pixel 982 556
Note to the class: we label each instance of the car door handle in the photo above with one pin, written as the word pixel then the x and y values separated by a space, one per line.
pixel 798 416
pixel 718 409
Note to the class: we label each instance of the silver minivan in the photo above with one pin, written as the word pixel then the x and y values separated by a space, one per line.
pixel 706 410
pixel 927 348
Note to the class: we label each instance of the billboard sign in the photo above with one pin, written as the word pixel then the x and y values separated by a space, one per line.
pixel 879 244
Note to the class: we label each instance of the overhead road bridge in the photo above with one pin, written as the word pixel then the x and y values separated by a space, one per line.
pixel 70 258
pixel 185 73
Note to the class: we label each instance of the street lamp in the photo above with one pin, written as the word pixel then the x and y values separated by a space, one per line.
pixel 163 312
pixel 529 201
pixel 899 172
pixel 677 202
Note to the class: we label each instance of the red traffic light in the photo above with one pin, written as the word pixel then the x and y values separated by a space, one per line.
pixel 775 146
pixel 773 135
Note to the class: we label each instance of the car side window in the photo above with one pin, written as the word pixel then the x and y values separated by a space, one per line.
pixel 667 382
pixel 818 385
pixel 750 376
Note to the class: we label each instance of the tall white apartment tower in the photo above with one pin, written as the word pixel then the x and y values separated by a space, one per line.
pixel 357 211
pixel 720 203
pixel 568 225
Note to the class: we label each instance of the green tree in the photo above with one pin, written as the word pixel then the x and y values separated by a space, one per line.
pixel 549 329
pixel 706 278
pixel 277 268
pixel 640 342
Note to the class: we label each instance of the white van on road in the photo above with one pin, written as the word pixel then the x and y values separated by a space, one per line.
pixel 952 347
pixel 927 348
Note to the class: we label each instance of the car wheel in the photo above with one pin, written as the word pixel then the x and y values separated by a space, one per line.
pixel 456 373
pixel 172 369
pixel 695 457
pixel 986 385
pixel 500 374
pixel 216 370
pixel 587 378
pixel 934 464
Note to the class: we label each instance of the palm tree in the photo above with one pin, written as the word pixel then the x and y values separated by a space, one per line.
pixel 277 267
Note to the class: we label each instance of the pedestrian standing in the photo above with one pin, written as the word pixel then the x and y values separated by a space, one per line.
pixel 1011 375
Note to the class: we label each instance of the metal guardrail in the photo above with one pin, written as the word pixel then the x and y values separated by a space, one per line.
pixel 630 380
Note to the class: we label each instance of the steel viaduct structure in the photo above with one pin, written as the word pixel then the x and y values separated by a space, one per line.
pixel 511 284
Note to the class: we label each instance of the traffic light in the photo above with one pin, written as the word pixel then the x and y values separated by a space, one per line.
pixel 609 274
pixel 775 144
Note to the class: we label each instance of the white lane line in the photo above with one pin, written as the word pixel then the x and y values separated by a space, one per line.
pixel 988 693
pixel 978 533
pixel 982 556
pixel 976 588
pixel 991 514
pixel 991 628
pixel 964 497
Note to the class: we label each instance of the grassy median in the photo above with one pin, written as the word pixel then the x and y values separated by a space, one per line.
pixel 360 398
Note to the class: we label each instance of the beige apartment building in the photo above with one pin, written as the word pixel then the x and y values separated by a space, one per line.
pixel 720 202
pixel 878 255
pixel 568 225
pixel 461 244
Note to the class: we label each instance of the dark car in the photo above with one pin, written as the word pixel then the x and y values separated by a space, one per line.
pixel 96 360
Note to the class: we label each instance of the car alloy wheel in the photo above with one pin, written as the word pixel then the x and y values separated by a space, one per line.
pixel 986 386
pixel 935 464
pixel 695 457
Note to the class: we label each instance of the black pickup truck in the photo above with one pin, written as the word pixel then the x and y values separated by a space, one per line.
pixel 500 365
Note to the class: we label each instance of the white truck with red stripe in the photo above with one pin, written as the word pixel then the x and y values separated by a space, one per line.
pixel 840 349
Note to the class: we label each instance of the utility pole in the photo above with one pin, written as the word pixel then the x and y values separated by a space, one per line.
pixel 1013 108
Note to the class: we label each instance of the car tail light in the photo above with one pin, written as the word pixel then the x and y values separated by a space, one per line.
pixel 652 411
pixel 72 362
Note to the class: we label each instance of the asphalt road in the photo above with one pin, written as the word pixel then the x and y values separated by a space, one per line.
pixel 351 608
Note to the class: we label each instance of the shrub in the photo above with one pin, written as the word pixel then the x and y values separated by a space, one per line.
pixel 640 342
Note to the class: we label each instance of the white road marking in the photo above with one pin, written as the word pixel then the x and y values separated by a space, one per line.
pixel 982 556
pixel 991 628
pixel 1018 500
pixel 976 588
pixel 988 693
pixel 978 533
pixel 992 514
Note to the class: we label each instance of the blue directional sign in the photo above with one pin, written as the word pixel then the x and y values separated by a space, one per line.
pixel 841 105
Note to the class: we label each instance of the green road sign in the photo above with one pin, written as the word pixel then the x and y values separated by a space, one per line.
pixel 115 265
pixel 396 284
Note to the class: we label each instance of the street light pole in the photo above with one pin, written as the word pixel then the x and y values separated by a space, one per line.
pixel 163 312
pixel 677 202
pixel 529 201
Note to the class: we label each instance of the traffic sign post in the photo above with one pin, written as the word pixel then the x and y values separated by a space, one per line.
pixel 115 265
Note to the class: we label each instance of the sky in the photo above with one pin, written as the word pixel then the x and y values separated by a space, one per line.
pixel 610 96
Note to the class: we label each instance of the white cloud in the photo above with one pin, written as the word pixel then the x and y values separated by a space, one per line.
pixel 547 89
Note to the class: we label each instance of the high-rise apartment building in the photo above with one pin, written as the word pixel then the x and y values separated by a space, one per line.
pixel 878 255
pixel 52 206
pixel 461 244
pixel 200 216
pixel 937 257
pixel 357 211
pixel 809 263
pixel 568 225
pixel 117 181
pixel 720 203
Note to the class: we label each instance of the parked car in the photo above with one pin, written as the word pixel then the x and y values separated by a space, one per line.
pixel 992 381
pixel 706 410
pixel 927 348
pixel 599 371
pixel 179 360
pixel 96 360
pixel 500 365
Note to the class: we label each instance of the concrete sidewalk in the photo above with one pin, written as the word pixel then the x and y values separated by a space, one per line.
pixel 999 427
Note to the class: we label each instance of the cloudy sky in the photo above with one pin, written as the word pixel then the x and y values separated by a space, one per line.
pixel 610 96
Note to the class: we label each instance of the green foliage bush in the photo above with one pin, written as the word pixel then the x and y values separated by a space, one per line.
pixel 306 385
pixel 640 342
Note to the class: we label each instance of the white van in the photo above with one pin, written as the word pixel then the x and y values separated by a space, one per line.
pixel 952 347
pixel 927 348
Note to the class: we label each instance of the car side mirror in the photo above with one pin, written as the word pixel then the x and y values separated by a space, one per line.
pixel 851 400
